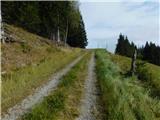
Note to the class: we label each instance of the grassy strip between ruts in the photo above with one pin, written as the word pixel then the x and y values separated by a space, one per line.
pixel 63 103
pixel 123 98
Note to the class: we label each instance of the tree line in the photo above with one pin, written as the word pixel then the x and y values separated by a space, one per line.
pixel 150 52
pixel 60 21
pixel 124 47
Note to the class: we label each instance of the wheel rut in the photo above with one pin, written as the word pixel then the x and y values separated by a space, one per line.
pixel 89 108
pixel 25 105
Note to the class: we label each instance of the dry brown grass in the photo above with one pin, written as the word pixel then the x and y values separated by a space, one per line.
pixel 64 102
pixel 33 50
pixel 29 65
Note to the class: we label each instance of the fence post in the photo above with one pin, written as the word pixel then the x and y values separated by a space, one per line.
pixel 133 64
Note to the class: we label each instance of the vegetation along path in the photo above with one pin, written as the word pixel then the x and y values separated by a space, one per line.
pixel 22 107
pixel 88 106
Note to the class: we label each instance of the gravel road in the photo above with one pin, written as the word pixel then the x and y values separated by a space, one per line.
pixel 89 101
pixel 23 107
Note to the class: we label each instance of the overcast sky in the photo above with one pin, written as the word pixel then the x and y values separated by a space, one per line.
pixel 104 21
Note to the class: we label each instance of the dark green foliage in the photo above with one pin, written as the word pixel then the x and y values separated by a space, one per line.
pixel 79 38
pixel 56 102
pixel 124 47
pixel 150 77
pixel 44 18
pixel 143 72
pixel 150 52
pixel 25 48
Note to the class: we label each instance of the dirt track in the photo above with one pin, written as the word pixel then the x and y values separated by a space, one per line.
pixel 23 107
pixel 89 101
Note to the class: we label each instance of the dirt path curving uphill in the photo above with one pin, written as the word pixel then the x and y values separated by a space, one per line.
pixel 23 107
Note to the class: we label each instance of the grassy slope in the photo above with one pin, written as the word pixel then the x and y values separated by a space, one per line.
pixel 63 103
pixel 148 73
pixel 29 64
pixel 123 98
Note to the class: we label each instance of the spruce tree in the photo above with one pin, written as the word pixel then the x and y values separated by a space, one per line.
pixel 47 19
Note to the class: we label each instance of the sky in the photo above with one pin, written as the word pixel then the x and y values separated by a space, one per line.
pixel 105 20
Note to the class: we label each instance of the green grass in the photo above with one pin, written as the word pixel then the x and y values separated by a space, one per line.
pixel 123 98
pixel 148 73
pixel 123 62
pixel 29 65
pixel 63 103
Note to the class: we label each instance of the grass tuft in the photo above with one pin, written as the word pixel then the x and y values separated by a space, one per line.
pixel 123 98
pixel 29 64
pixel 62 103
pixel 148 74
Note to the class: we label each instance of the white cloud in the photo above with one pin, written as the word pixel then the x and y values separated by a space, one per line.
pixel 105 20
pixel 139 1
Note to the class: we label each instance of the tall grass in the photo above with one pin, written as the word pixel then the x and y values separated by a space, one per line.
pixel 64 101
pixel 148 73
pixel 28 63
pixel 22 82
pixel 123 98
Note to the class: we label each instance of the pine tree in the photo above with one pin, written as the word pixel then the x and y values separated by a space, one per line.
pixel 124 47
pixel 151 53
pixel 49 19
pixel 119 48
pixel 80 38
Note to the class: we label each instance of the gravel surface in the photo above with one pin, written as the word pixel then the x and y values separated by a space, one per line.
pixel 89 101
pixel 23 107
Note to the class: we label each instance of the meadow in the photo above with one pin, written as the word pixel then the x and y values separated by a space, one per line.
pixel 147 73
pixel 29 62
pixel 123 96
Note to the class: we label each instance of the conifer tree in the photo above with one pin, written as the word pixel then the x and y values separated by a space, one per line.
pixel 50 19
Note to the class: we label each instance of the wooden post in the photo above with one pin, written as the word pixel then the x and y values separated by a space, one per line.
pixel 2 37
pixel 133 64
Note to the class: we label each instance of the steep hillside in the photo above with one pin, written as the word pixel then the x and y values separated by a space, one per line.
pixel 28 61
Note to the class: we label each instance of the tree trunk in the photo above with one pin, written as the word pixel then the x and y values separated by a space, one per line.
pixel 2 33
